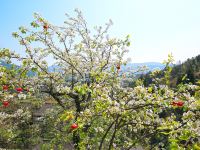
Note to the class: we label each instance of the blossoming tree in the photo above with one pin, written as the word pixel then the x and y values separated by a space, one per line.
pixel 98 112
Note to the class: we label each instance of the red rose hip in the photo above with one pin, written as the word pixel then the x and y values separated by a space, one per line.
pixel 5 103
pixel 19 90
pixel 180 103
pixel 118 66
pixel 74 126
pixel 5 87
pixel 45 27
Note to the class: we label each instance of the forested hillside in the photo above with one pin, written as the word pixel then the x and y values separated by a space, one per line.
pixel 186 72
pixel 189 71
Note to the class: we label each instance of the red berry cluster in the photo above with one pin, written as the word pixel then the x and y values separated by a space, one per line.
pixel 18 89
pixel 178 103
pixel 6 88
pixel 5 103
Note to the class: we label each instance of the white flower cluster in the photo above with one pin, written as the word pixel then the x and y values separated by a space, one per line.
pixel 1 74
pixel 9 97
pixel 99 129
pixel 192 87
pixel 140 89
pixel 21 96
pixel 62 89
pixel 4 116
pixel 20 113
pixel 114 110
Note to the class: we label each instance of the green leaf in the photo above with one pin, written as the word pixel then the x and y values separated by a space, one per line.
pixel 34 24
pixel 23 30
pixel 34 69
pixel 173 146
pixel 196 147
pixel 15 34
pixel 128 43
pixel 165 133
pixel 112 69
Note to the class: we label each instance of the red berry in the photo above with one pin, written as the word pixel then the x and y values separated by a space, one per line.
pixel 19 89
pixel 180 103
pixel 5 103
pixel 74 126
pixel 45 27
pixel 118 66
pixel 5 87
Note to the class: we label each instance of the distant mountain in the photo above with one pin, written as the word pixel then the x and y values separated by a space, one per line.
pixel 130 66
pixel 9 66
pixel 124 68
pixel 150 66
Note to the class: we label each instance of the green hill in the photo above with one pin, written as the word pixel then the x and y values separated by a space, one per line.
pixel 186 72
pixel 189 71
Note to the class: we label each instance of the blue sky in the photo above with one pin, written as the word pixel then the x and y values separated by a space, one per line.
pixel 157 27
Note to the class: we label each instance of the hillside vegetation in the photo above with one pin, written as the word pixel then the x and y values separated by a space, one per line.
pixel 186 72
